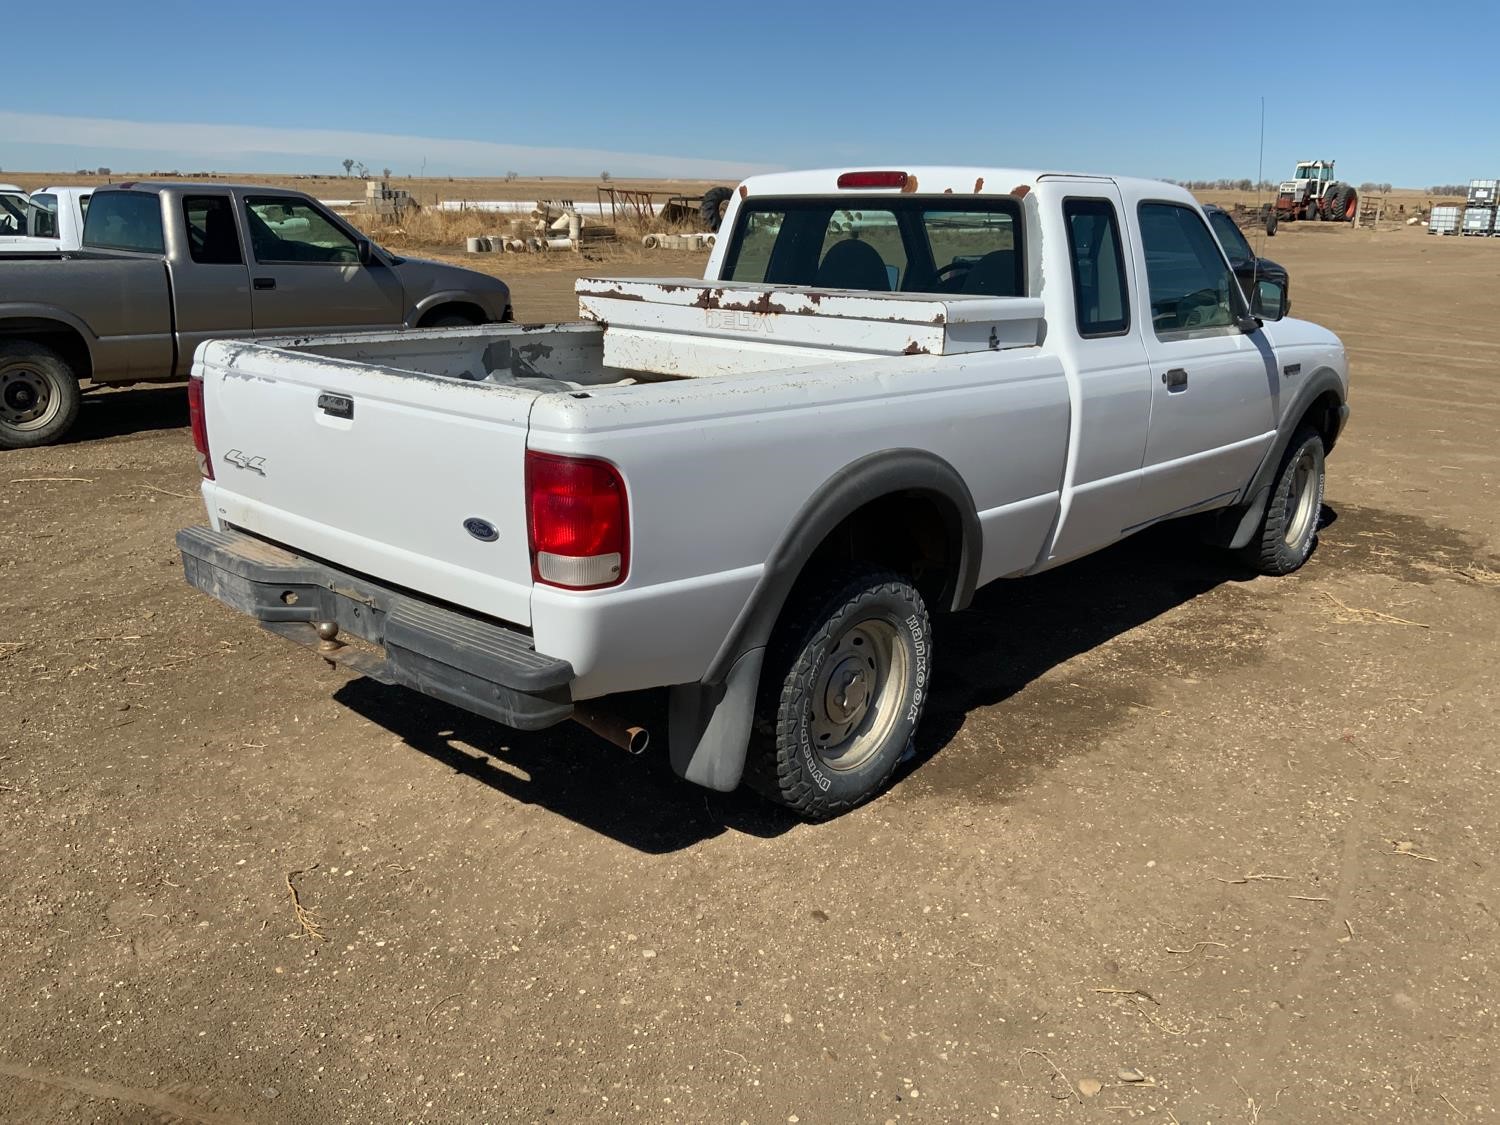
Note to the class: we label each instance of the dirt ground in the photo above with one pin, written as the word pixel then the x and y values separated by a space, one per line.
pixel 1233 837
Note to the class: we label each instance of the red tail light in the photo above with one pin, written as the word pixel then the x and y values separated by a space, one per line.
pixel 579 520
pixel 200 426
pixel 872 179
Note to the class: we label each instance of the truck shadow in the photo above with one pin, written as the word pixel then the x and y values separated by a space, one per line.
pixel 1014 634
pixel 637 801
pixel 1017 632
pixel 134 410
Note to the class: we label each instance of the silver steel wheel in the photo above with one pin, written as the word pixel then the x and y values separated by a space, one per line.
pixel 27 398
pixel 858 694
pixel 1303 496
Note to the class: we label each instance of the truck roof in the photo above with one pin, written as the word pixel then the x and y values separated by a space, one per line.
pixel 200 185
pixel 941 179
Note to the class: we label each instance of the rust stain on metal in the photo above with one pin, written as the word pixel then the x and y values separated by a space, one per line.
pixel 947 191
pixel 744 191
pixel 709 298
pixel 914 348
pixel 910 185
pixel 1021 192
pixel 979 185
pixel 612 294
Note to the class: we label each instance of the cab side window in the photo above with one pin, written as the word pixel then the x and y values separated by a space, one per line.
pixel 212 239
pixel 1192 288
pixel 285 230
pixel 1100 297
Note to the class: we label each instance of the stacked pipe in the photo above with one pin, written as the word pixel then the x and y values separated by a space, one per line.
pixel 679 241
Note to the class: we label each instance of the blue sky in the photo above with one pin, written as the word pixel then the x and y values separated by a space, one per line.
pixel 1167 89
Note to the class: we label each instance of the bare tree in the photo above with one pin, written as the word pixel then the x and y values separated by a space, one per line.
pixel 348 165
pixel 385 173
pixel 604 176
pixel 510 177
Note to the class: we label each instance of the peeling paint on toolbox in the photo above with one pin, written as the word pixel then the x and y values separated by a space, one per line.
pixel 666 325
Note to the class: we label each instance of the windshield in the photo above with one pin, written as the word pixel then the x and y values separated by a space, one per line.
pixel 885 244
pixel 1230 236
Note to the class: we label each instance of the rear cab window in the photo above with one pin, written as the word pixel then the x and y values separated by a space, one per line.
pixel 1101 299
pixel 124 220
pixel 881 244
pixel 212 238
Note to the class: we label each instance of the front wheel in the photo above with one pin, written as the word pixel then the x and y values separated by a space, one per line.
pixel 1289 528
pixel 844 690
pixel 39 395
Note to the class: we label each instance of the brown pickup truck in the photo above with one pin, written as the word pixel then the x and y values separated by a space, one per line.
pixel 166 266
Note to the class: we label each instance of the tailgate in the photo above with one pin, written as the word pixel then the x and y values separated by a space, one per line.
pixel 415 479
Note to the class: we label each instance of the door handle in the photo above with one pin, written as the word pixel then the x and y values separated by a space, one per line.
pixel 1175 379
pixel 265 283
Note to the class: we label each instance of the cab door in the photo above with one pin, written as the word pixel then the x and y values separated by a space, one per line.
pixel 306 275
pixel 1213 384
pixel 210 284
pixel 1103 348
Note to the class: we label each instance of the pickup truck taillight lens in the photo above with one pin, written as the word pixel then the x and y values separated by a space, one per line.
pixel 200 426
pixel 579 521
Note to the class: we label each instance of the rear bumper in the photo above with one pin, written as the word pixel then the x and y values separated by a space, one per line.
pixel 468 661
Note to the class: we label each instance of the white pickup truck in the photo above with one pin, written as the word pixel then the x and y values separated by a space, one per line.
pixel 52 223
pixel 753 490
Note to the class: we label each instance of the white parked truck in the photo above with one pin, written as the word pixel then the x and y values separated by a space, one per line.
pixel 754 490
pixel 52 224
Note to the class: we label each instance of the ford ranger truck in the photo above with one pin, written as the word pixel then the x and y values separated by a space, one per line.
pixel 752 491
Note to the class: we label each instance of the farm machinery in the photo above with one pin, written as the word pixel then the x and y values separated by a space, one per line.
pixel 1313 193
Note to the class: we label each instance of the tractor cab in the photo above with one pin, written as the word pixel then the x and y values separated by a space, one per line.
pixel 1319 171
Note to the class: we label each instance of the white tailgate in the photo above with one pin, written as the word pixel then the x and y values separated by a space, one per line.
pixel 385 492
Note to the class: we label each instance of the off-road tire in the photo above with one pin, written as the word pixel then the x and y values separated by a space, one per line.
pixel 1289 530
pixel 39 395
pixel 1336 203
pixel 838 624
pixel 711 210
pixel 1271 224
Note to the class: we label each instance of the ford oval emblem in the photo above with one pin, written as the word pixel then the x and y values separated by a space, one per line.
pixel 482 530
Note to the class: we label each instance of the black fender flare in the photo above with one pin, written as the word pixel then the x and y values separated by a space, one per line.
pixel 709 725
pixel 1233 527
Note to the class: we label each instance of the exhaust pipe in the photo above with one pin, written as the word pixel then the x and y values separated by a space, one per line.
pixel 612 728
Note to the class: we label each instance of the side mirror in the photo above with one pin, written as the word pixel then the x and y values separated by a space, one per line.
pixel 1269 302
pixel 366 250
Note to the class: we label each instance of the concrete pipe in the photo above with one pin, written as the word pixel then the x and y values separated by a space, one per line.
pixel 474 245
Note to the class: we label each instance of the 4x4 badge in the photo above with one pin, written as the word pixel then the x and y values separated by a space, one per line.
pixel 245 461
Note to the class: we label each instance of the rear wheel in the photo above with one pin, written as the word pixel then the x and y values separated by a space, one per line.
pixel 1271 224
pixel 843 692
pixel 1289 528
pixel 449 320
pixel 39 395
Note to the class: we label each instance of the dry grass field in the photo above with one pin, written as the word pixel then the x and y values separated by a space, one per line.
pixel 1181 845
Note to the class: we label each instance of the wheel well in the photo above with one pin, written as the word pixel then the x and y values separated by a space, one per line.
pixel 61 337
pixel 916 534
pixel 474 313
pixel 1323 416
